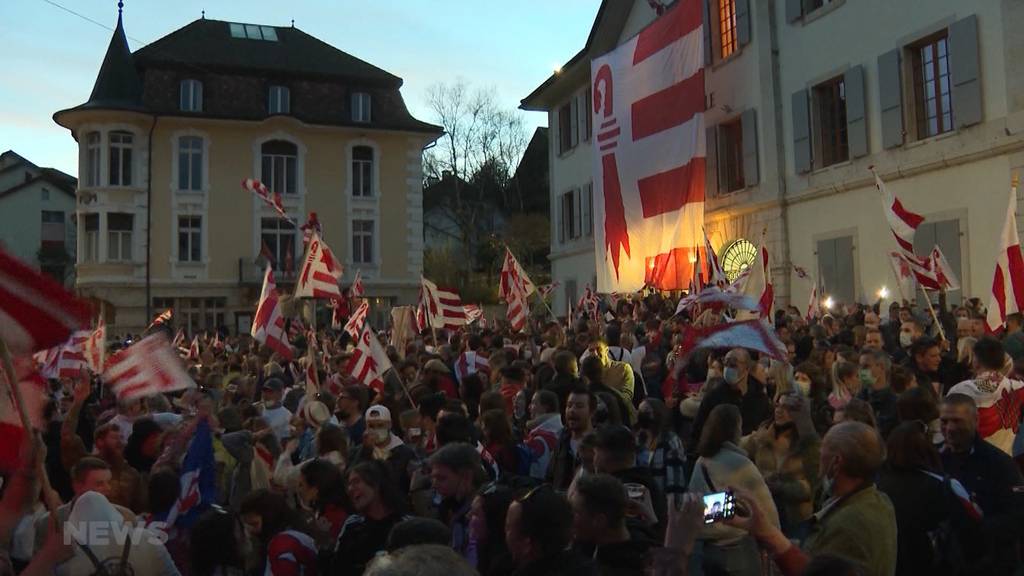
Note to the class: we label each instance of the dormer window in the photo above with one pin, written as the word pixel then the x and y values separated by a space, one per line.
pixel 191 97
pixel 360 107
pixel 279 102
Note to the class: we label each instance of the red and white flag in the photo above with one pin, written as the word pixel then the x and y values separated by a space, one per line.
pixel 470 362
pixel 902 222
pixel 944 274
pixel 268 326
pixel 759 284
pixel 473 313
pixel 369 361
pixel 514 278
pixel 96 347
pixel 547 289
pixel 312 225
pixel 36 312
pixel 518 311
pixel 193 348
pixel 716 275
pixel 442 308
pixel 749 334
pixel 813 306
pixel 356 321
pixel 339 310
pixel 272 199
pixel 71 358
pixel 357 290
pixel 1008 279
pixel 179 338
pixel 35 394
pixel 161 318
pixel 648 115
pixel 148 367
pixel 589 303
pixel 320 272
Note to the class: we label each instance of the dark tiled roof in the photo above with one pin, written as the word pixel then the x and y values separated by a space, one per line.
pixel 208 44
pixel 117 85
pixel 63 182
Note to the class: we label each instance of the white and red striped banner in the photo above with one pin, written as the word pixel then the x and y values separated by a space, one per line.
pixel 1008 278
pixel 470 362
pixel 518 310
pixel 944 274
pixel 320 272
pixel 759 284
pixel 648 116
pixel 35 394
pixel 272 199
pixel 473 313
pixel 369 361
pixel 268 325
pixel 903 224
pixel 357 290
pixel 442 308
pixel 36 313
pixel 148 367
pixel 356 321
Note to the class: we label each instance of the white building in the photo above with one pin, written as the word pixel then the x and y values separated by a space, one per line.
pixel 855 75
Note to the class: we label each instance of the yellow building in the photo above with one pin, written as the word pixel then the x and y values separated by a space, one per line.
pixel 169 133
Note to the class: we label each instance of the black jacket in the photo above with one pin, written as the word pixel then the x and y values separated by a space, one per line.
pixel 883 402
pixel 567 563
pixel 643 476
pixel 996 484
pixel 622 558
pixel 564 463
pixel 754 406
pixel 921 504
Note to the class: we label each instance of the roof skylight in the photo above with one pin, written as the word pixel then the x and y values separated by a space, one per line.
pixel 253 32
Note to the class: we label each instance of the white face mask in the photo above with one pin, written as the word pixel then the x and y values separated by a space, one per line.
pixel 906 339
pixel 380 435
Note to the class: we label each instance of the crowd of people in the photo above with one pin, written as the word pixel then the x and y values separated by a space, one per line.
pixel 884 443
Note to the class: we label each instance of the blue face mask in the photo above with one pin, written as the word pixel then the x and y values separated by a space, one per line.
pixel 731 375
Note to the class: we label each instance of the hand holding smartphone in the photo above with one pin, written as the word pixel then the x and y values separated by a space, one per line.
pixel 719 506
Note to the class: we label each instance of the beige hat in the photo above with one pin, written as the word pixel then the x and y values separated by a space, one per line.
pixel 316 413
pixel 378 412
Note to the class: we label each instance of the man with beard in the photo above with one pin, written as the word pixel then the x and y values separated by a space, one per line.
pixel 565 462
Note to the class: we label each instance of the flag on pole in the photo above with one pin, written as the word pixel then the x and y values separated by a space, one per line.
pixel 547 289
pixel 749 334
pixel 320 272
pixel 268 327
pixel 357 290
pixel 944 274
pixel 716 275
pixel 161 318
pixel 198 483
pixel 442 308
pixel 312 225
pixel 36 312
pixel 35 393
pixel 514 278
pixel 473 313
pixel 813 306
pixel 193 348
pixel 903 225
pixel 272 199
pixel 369 361
pixel 518 310
pixel 355 322
pixel 96 347
pixel 1008 278
pixel 649 163
pixel 179 338
pixel 471 362
pixel 339 310
pixel 759 284
pixel 148 367
pixel 265 253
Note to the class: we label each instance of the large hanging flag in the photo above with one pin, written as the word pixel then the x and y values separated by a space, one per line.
pixel 272 199
pixel 649 149
pixel 320 272
pixel 36 312
pixel 198 482
pixel 759 284
pixel 268 326
pixel 356 321
pixel 369 361
pixel 148 367
pixel 441 308
pixel 1008 279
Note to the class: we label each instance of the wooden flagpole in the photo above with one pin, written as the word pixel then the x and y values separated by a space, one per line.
pixel 430 317
pixel 942 333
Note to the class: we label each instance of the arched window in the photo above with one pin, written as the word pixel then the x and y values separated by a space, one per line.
pixel 279 166
pixel 191 96
pixel 362 171
pixel 121 158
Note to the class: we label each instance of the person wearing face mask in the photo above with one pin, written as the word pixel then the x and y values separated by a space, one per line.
pixel 456 472
pixel 909 331
pixel 659 448
pixel 873 372
pixel 810 382
pixel 737 387
pixel 786 451
pixel 277 417
pixel 381 445
pixel 856 521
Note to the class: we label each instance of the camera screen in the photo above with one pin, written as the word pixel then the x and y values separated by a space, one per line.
pixel 718 506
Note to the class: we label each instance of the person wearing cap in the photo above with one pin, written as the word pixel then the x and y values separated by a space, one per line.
pixel 277 417
pixel 381 444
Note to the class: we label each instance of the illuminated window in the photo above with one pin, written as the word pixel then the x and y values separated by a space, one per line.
pixel 727 26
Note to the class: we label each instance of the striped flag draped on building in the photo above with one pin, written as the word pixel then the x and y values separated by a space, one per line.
pixel 649 164
pixel 268 327
pixel 148 367
pixel 1008 278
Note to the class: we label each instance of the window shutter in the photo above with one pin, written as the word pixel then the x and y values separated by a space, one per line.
pixel 856 119
pixel 743 22
pixel 843 289
pixel 801 132
pixel 561 219
pixel 890 98
pixel 794 10
pixel 964 71
pixel 577 213
pixel 707 31
pixel 748 122
pixel 711 161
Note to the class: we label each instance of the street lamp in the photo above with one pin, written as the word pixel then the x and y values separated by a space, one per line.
pixel 829 303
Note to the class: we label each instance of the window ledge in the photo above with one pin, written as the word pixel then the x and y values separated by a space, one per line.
pixel 725 61
pixel 195 193
pixel 189 263
pixel 822 12
pixel 931 139
pixel 823 169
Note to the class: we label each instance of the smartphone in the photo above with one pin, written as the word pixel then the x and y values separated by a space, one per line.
pixel 719 506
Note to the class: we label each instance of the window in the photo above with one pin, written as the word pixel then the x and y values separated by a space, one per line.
pixel 362 171
pixel 279 161
pixel 189 313
pixel 191 97
pixel 91 245
pixel 278 238
pixel 564 129
pixel 574 121
pixel 52 231
pixel 362 241
pixel 279 100
pixel 119 236
pixel 835 266
pixel 213 312
pixel 190 237
pixel 190 163
pixel 727 27
pixel 92 159
pixel 932 102
pixel 830 113
pixel 121 158
pixel 730 156
pixel 569 224
pixel 360 107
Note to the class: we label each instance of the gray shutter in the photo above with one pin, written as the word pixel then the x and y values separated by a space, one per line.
pixel 844 287
pixel 801 132
pixel 560 206
pixel 794 10
pixel 890 98
pixel 856 119
pixel 711 161
pixel 743 22
pixel 748 122
pixel 707 31
pixel 964 71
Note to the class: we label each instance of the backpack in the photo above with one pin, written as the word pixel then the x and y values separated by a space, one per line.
pixel 110 566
